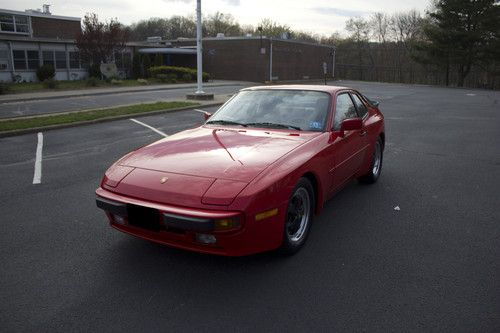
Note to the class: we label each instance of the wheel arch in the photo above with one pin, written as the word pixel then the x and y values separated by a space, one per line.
pixel 318 196
pixel 382 136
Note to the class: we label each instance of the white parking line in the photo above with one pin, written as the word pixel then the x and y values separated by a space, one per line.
pixel 150 127
pixel 37 176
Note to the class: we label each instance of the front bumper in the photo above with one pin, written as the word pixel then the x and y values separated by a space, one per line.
pixel 180 227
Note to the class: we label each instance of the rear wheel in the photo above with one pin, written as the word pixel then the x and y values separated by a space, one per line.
pixel 299 216
pixel 376 164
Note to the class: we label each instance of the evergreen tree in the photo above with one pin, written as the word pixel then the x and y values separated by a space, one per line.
pixel 461 34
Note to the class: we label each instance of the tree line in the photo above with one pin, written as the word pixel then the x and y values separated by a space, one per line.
pixel 456 42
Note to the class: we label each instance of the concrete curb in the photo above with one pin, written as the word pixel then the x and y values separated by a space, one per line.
pixel 111 92
pixel 102 120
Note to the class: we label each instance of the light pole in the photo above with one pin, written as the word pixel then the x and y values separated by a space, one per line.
pixel 199 93
pixel 199 55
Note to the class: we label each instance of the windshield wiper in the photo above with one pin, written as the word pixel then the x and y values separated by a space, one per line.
pixel 275 125
pixel 225 122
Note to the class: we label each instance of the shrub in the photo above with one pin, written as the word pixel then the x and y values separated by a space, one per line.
pixel 142 81
pixel 92 82
pixel 166 78
pixel 45 72
pixel 4 88
pixel 95 71
pixel 162 77
pixel 205 77
pixel 187 77
pixel 182 74
pixel 171 78
pixel 116 82
pixel 50 84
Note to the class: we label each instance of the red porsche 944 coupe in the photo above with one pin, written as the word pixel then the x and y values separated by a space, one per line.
pixel 251 178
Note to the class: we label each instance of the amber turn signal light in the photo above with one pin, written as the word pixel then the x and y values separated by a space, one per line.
pixel 226 223
pixel 266 214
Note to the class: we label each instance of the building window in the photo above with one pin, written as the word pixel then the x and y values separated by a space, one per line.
pixel 26 59
pixel 7 23
pixel 61 62
pixel 48 58
pixel 33 59
pixel 14 23
pixel 21 23
pixel 74 60
pixel 4 60
pixel 19 59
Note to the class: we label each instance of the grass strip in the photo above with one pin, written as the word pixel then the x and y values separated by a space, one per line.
pixel 81 116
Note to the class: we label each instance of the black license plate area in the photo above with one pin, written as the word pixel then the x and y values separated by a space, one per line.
pixel 143 217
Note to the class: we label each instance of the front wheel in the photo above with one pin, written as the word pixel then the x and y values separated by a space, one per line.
pixel 376 164
pixel 299 216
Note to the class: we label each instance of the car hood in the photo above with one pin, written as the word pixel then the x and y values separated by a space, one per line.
pixel 217 153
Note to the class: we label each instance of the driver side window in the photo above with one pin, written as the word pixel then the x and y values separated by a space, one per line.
pixel 344 109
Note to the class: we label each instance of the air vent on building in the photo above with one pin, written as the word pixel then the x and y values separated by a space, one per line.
pixel 153 39
pixel 46 9
pixel 220 35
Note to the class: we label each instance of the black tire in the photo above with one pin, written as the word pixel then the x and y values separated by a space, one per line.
pixel 375 169
pixel 298 218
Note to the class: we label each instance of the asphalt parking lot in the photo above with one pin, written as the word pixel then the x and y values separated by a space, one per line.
pixel 432 265
pixel 76 103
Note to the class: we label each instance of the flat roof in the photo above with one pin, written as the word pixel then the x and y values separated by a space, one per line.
pixel 15 38
pixel 42 15
pixel 253 38
pixel 168 50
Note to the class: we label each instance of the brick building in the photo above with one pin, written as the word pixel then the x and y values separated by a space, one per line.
pixel 253 59
pixel 33 38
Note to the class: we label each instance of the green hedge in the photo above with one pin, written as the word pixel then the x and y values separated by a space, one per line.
pixel 182 74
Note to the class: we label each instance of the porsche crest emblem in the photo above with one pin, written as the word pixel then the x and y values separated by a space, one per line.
pixel 163 180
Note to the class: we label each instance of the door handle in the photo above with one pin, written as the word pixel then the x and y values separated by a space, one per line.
pixel 363 133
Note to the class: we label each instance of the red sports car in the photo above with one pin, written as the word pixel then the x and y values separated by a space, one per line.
pixel 251 178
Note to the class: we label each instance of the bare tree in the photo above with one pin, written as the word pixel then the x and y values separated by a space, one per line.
pixel 273 29
pixel 221 23
pixel 406 27
pixel 359 30
pixel 380 27
pixel 306 36
pixel 181 26
pixel 334 39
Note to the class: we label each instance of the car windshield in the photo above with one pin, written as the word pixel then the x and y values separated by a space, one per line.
pixel 288 109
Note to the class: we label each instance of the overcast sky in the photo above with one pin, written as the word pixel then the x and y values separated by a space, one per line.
pixel 317 16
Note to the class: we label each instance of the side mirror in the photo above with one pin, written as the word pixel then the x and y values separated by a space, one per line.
pixel 206 114
pixel 371 101
pixel 350 124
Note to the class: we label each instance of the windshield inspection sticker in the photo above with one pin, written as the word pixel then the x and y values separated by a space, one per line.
pixel 315 125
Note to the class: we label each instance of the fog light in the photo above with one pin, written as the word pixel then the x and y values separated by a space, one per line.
pixel 119 219
pixel 206 239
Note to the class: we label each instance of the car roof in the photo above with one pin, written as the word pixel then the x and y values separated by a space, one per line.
pixel 325 88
